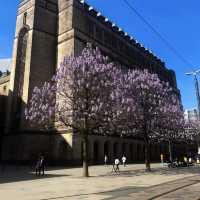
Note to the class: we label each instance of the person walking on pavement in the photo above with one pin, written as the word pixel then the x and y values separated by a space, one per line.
pixel 41 165
pixel 37 167
pixel 124 160
pixel 105 160
pixel 113 166
pixel 117 162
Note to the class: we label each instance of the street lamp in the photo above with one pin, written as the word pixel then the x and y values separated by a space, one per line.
pixel 194 73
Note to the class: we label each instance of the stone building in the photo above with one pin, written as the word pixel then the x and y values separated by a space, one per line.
pixel 4 90
pixel 191 115
pixel 46 32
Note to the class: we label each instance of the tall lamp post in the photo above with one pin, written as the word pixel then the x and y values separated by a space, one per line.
pixel 194 73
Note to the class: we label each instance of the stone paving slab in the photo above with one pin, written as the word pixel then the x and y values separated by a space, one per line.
pixel 192 192
pixel 187 188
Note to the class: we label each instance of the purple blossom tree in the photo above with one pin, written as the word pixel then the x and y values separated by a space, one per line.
pixel 192 129
pixel 90 95
pixel 191 134
pixel 41 107
pixel 171 122
pixel 147 95
pixel 81 97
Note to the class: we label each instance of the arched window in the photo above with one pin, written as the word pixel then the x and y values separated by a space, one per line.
pixel 106 148
pixel 19 74
pixel 115 150
pixel 96 152
pixel 138 151
pixel 21 60
pixel 123 148
pixel 131 152
pixel 24 18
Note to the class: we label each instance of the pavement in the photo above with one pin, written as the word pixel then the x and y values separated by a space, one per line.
pixel 133 182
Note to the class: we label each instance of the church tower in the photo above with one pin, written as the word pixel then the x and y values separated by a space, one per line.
pixel 34 55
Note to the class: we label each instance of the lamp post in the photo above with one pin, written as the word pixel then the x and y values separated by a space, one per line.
pixel 194 73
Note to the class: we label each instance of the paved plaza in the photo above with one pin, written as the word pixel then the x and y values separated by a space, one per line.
pixel 132 183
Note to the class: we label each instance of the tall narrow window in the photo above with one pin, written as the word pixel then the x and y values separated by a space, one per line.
pixel 19 75
pixel 25 17
pixel 21 59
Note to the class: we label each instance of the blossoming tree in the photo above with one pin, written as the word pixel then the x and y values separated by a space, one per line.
pixel 171 122
pixel 148 95
pixel 90 95
pixel 80 97
pixel 191 134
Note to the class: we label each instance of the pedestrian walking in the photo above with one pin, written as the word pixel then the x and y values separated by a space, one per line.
pixel 113 166
pixel 117 162
pixel 162 159
pixel 185 159
pixel 124 160
pixel 42 164
pixel 37 167
pixel 105 160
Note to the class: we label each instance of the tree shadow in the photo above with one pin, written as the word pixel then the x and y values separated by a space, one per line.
pixel 155 171
pixel 128 192
pixel 10 176
pixel 153 192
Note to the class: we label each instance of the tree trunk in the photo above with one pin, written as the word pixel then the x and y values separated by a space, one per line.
pixel 85 156
pixel 147 155
pixel 170 151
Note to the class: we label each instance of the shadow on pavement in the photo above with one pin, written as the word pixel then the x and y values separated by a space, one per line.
pixel 13 174
pixel 155 171
pixel 153 192
pixel 114 194
pixel 16 175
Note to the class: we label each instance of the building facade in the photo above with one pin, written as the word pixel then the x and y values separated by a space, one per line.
pixel 191 115
pixel 4 91
pixel 46 32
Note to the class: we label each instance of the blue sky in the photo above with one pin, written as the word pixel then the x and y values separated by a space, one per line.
pixel 178 21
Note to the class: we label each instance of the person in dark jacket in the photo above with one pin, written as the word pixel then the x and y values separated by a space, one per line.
pixel 42 165
pixel 37 167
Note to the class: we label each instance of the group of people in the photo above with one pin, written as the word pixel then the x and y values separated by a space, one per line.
pixel 40 164
pixel 115 163
pixel 177 162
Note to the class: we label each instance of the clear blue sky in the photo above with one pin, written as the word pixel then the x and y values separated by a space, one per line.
pixel 178 21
